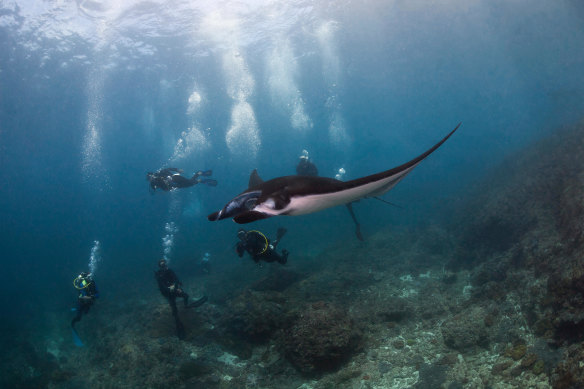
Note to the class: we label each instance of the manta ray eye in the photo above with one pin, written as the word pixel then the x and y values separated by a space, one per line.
pixel 250 203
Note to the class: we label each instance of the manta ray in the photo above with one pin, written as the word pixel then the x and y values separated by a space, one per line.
pixel 300 195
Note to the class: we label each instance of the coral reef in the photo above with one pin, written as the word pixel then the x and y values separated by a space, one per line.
pixel 465 330
pixel 492 299
pixel 534 214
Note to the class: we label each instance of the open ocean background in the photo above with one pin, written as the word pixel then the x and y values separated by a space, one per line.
pixel 93 94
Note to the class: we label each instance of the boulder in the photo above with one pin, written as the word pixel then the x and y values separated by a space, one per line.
pixel 321 339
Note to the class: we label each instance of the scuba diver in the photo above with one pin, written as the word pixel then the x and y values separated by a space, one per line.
pixel 171 288
pixel 170 178
pixel 259 247
pixel 88 292
pixel 306 167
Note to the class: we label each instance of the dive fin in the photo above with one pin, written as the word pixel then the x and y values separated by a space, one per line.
pixel 254 179
pixel 247 217
pixel 76 338
pixel 358 233
pixel 180 329
pixel 208 181
pixel 197 303
pixel 206 173
pixel 281 233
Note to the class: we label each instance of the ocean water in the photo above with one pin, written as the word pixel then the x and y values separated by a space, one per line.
pixel 94 94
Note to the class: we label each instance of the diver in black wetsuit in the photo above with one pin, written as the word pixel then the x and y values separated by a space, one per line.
pixel 170 178
pixel 306 167
pixel 259 247
pixel 88 292
pixel 171 288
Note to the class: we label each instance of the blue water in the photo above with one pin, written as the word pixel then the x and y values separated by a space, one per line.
pixel 95 94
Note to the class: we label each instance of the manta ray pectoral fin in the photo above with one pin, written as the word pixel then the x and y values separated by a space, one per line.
pixel 254 179
pixel 250 216
pixel 377 184
pixel 296 195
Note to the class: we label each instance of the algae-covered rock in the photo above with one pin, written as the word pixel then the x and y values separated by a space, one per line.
pixel 395 310
pixel 465 330
pixel 321 340
pixel 568 304
pixel 538 367
pixel 516 352
pixel 191 369
pixel 529 360
pixel 499 368
pixel 255 316
pixel 569 373
pixel 277 281
pixel 431 376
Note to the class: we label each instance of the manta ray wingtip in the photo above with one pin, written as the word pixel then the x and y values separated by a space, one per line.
pixel 455 128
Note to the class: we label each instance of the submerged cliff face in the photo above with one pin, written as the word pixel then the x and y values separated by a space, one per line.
pixel 536 194
pixel 523 231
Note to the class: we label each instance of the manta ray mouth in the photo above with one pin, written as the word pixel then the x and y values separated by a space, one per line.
pixel 243 203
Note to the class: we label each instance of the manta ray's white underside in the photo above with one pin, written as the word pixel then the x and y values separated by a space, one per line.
pixel 297 195
pixel 302 205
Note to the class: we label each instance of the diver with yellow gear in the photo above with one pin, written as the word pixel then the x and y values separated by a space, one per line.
pixel 88 292
pixel 259 247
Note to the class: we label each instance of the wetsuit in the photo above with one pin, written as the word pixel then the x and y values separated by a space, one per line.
pixel 166 278
pixel 170 178
pixel 260 249
pixel 306 168
pixel 170 287
pixel 85 300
